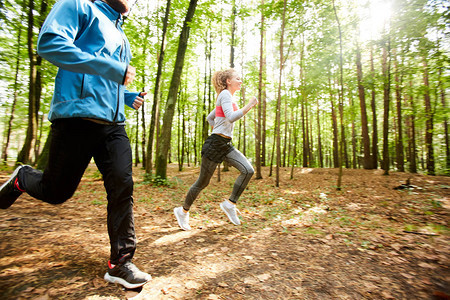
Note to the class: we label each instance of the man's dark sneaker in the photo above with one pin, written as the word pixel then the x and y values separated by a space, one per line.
pixel 126 274
pixel 10 191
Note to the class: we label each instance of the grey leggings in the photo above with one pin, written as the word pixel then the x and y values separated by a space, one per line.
pixel 236 159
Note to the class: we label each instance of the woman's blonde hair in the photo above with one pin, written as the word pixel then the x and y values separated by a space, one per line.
pixel 219 79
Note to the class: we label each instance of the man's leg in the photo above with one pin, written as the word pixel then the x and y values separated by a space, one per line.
pixel 114 161
pixel 69 154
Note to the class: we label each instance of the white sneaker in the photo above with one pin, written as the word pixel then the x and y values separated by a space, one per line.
pixel 231 212
pixel 182 218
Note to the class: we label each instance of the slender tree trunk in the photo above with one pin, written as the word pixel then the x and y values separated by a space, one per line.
pixel 136 142
pixel 355 163
pixel 374 114
pixel 305 135
pixel 294 158
pixel 310 137
pixel 444 106
pixel 341 100
pixel 233 29
pixel 243 122
pixel 411 125
pixel 165 136
pixel 335 127
pixel 319 137
pixel 264 125
pixel 305 150
pixel 30 138
pixel 429 121
pixel 157 94
pixel 278 108
pixel 367 159
pixel 398 95
pixel 387 92
pixel 16 88
pixel 258 120
pixel 286 124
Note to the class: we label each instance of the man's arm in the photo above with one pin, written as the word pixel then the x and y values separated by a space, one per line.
pixel 57 37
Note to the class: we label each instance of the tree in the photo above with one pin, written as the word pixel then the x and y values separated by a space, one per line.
pixel 278 107
pixel 258 121
pixel 429 120
pixel 386 63
pixel 24 154
pixel 16 87
pixel 341 103
pixel 367 159
pixel 156 92
pixel 165 136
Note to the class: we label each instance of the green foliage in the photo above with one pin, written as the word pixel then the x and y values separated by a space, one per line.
pixel 417 30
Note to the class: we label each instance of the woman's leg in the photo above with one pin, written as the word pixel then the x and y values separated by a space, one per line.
pixel 236 159
pixel 207 169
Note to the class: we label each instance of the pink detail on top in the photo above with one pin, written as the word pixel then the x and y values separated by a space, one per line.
pixel 220 113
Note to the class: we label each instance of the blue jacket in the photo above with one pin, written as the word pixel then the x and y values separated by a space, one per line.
pixel 86 41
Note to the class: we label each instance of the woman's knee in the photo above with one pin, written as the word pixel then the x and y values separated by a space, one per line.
pixel 248 170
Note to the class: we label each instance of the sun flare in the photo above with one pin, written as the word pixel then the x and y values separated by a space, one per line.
pixel 374 15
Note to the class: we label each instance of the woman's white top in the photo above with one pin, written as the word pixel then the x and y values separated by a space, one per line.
pixel 225 114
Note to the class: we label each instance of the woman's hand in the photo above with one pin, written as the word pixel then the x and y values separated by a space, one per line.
pixel 253 102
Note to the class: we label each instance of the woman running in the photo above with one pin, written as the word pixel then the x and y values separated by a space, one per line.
pixel 218 147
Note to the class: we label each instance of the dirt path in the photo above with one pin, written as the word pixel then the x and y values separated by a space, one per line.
pixel 304 240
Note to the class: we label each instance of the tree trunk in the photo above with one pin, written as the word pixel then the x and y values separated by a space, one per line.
pixel 374 114
pixel 411 125
pixel 386 97
pixel 319 137
pixel 341 104
pixel 166 131
pixel 157 94
pixel 258 120
pixel 335 127
pixel 295 133
pixel 16 87
pixel 399 143
pixel 286 123
pixel 355 163
pixel 304 134
pixel 30 138
pixel 367 159
pixel 428 122
pixel 444 106
pixel 42 161
pixel 136 142
pixel 278 107
pixel 233 29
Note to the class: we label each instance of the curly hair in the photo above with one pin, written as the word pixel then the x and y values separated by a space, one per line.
pixel 219 79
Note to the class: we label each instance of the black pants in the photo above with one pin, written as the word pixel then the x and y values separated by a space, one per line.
pixel 73 143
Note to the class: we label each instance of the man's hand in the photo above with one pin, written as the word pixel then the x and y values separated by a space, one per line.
pixel 139 100
pixel 129 77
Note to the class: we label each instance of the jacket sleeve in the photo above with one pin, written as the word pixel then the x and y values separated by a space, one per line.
pixel 129 98
pixel 56 42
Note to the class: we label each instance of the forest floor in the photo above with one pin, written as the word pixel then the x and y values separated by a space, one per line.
pixel 302 240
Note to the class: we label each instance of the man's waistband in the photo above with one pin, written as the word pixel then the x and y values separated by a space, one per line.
pixel 103 122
